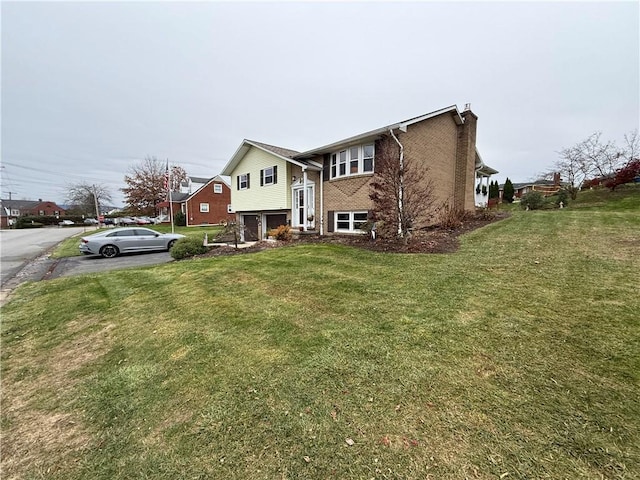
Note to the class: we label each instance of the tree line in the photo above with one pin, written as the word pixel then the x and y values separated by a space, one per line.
pixel 147 183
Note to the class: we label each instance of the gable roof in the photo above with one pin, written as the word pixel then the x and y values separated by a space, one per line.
pixel 279 152
pixel 183 197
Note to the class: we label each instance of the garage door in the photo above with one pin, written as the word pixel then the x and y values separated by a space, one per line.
pixel 275 220
pixel 250 227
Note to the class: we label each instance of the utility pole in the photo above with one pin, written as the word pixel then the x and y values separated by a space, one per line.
pixel 95 199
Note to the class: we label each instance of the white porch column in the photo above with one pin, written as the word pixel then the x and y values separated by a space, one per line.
pixel 305 199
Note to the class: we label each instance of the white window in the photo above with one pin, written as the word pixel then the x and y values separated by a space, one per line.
pixel 243 181
pixel 204 208
pixel 269 176
pixel 349 221
pixel 15 213
pixel 217 188
pixel 354 160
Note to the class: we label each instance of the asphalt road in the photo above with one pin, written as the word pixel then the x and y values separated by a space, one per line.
pixel 24 256
pixel 21 246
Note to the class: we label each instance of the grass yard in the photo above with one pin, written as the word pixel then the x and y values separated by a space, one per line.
pixel 517 357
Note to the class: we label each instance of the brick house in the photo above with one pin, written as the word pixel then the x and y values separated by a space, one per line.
pixel 11 209
pixel 545 187
pixel 326 189
pixel 204 201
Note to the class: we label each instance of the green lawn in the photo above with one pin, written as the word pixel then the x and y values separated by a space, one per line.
pixel 516 357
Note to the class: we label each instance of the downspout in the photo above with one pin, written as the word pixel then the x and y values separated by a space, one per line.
pixel 305 199
pixel 401 192
pixel 322 202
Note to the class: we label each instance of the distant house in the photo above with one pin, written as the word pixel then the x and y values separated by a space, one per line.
pixel 10 210
pixel 326 189
pixel 204 201
pixel 546 187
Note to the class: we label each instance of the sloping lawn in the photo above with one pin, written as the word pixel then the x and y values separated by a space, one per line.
pixel 516 357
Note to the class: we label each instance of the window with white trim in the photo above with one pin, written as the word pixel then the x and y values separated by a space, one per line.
pixel 269 176
pixel 355 160
pixel 243 181
pixel 15 212
pixel 217 188
pixel 204 208
pixel 350 221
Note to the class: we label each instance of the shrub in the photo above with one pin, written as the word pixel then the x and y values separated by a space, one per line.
pixel 281 232
pixel 180 219
pixel 188 247
pixel 451 217
pixel 24 223
pixel 533 200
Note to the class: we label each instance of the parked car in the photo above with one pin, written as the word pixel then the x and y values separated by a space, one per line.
pixel 113 242
pixel 66 223
pixel 126 221
pixel 91 221
pixel 109 221
pixel 143 220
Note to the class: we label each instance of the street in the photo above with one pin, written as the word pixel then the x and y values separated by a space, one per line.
pixel 20 246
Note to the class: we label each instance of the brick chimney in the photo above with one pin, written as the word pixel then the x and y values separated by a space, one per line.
pixel 556 179
pixel 465 161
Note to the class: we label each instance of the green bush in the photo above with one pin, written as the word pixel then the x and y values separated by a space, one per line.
pixel 27 223
pixel 533 200
pixel 180 219
pixel 188 247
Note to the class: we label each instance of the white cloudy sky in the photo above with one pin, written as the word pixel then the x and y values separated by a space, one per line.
pixel 91 88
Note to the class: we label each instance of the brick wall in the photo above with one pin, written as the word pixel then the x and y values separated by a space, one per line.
pixel 217 205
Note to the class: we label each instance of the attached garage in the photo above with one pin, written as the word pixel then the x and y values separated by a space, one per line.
pixel 250 227
pixel 274 220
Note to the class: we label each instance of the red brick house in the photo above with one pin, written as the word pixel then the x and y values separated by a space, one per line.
pixel 208 203
pixel 11 209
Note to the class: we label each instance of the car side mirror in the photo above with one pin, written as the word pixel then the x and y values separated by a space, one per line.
pixel 157 234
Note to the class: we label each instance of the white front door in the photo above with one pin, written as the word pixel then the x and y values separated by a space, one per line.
pixel 301 214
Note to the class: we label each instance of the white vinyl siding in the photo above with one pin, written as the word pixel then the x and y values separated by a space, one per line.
pixel 276 197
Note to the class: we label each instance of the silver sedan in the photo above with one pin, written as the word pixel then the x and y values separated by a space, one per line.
pixel 110 243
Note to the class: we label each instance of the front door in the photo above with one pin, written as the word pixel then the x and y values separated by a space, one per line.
pixel 301 215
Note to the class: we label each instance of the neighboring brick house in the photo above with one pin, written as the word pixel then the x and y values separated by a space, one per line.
pixel 546 187
pixel 204 201
pixel 11 209
pixel 326 189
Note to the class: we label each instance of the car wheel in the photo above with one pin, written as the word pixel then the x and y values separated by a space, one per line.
pixel 171 244
pixel 109 251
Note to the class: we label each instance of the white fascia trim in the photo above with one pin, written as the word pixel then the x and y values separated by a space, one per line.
pixel 244 148
pixel 379 131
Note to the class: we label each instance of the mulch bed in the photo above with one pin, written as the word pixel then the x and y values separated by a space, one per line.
pixel 431 240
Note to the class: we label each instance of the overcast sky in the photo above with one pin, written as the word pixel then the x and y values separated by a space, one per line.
pixel 91 88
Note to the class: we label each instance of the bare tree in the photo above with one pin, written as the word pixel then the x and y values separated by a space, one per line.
pixel 146 184
pixel 631 148
pixel 401 191
pixel 83 197
pixel 178 175
pixel 587 159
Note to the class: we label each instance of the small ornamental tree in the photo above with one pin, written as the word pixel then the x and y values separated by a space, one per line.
pixel 401 192
pixel 626 174
pixel 508 192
